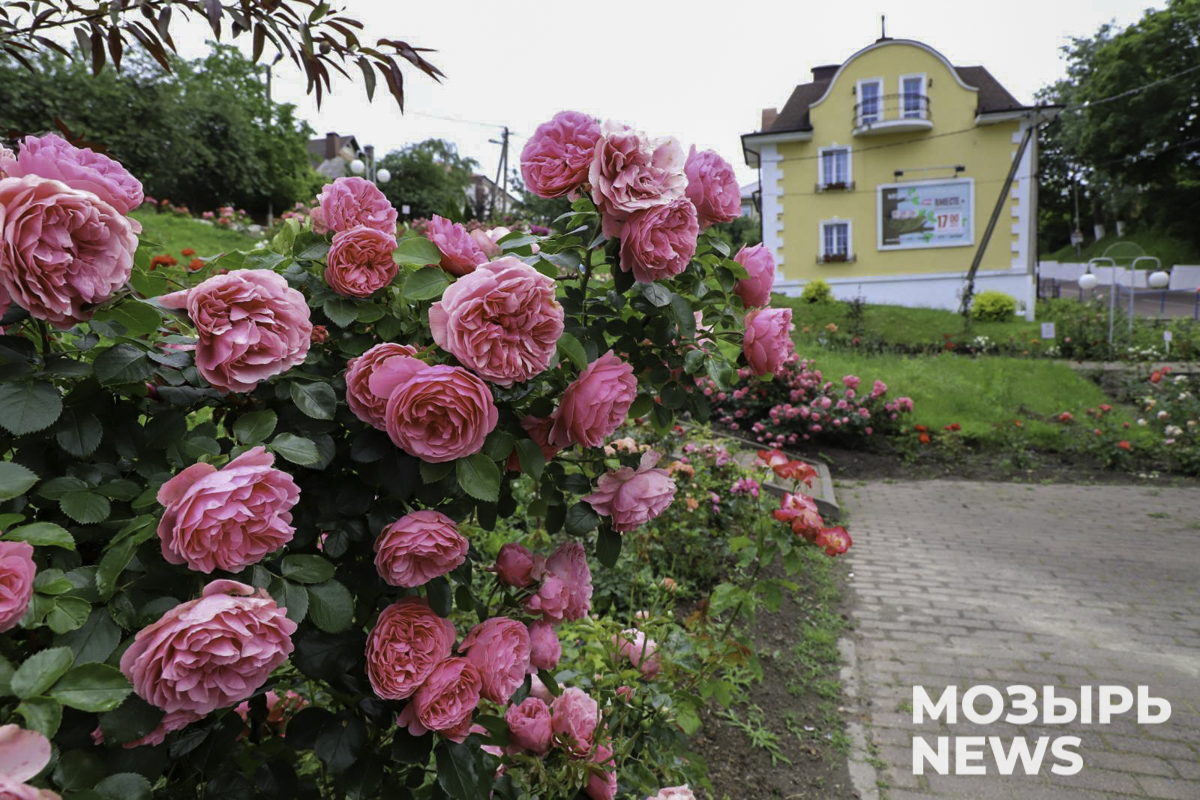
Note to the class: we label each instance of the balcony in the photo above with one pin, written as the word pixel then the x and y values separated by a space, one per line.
pixel 892 113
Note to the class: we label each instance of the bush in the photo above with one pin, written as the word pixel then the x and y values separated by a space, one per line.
pixel 993 306
pixel 817 291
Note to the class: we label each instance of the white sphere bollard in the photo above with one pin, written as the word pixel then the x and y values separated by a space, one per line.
pixel 1088 281
pixel 383 176
pixel 357 166
pixel 1159 280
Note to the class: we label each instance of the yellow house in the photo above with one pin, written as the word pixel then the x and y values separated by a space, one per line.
pixel 880 176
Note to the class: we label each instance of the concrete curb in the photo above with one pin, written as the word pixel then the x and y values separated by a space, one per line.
pixel 863 774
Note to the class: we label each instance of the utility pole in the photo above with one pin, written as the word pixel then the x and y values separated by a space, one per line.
pixel 501 175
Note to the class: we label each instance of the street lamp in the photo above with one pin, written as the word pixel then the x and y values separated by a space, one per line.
pixel 1158 280
pixel 357 166
pixel 1088 281
pixel 383 176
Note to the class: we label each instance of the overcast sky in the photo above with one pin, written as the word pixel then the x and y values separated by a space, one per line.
pixel 698 70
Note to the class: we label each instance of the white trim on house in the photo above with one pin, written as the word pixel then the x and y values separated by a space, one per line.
pixel 922 111
pixel 822 251
pixel 770 163
pixel 885 43
pixel 822 179
pixel 858 97
pixel 879 245
pixel 930 290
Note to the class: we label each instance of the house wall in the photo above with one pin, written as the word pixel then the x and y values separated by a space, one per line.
pixel 793 208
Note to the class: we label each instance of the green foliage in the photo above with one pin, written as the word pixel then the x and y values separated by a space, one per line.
pixel 817 292
pixel 993 306
pixel 427 176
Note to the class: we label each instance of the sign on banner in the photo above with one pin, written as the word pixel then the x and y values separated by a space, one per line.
pixel 1047 330
pixel 923 214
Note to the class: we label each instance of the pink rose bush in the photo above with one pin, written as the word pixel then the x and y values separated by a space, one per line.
pixel 595 404
pixel 368 406
pixel 545 649
pixel 529 725
pixel 658 242
pixel 755 290
pixel 517 566
pixel 460 253
pixel 768 340
pixel 209 653
pixel 556 159
pixel 501 321
pixel 23 754
pixel 441 413
pixel 419 547
pixel 54 158
pixel 17 571
pixel 445 701
pixel 632 497
pixel 639 650
pixel 349 202
pixel 408 641
pixel 360 261
pixel 631 172
pixel 251 326
pixel 227 518
pixel 712 187
pixel 499 648
pixel 63 251
pixel 566 588
pixel 574 717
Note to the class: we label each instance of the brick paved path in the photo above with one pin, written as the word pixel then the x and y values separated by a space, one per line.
pixel 967 583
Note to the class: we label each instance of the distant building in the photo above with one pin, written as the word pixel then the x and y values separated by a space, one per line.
pixel 480 194
pixel 880 175
pixel 750 200
pixel 331 155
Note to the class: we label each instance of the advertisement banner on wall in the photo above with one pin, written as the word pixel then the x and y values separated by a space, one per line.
pixel 924 214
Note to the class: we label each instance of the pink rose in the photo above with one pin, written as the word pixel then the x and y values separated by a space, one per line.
pixel 460 253
pixel 501 321
pixel 573 719
pixel 441 413
pixel 755 290
pixel 227 518
pixel 556 159
pixel 712 187
pixel 538 689
pixel 674 793
pixel 211 652
pixel 529 725
pixel 408 641
pixel 366 405
pixel 349 202
pixel 499 649
pixel 550 600
pixel 419 547
pixel 658 242
pixel 569 563
pixel 633 497
pixel 23 753
pixel 487 241
pixel 630 172
pixel 7 160
pixel 768 339
pixel 360 261
pixel 517 566
pixel 640 650
pixel 603 787
pixel 544 648
pixel 251 326
pixel 445 701
pixel 595 404
pixel 54 158
pixel 62 250
pixel 17 571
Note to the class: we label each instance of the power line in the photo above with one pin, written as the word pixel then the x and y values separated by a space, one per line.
pixel 1136 90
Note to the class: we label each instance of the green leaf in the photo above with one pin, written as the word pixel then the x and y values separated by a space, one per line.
pixel 330 606
pixel 130 721
pixel 291 597
pixel 79 770
pixel 41 714
pixel 85 507
pixel 15 480
pixel 124 786
pixel 255 427
pixel 685 318
pixel 456 770
pixel 657 294
pixel 52 581
pixel 316 400
pixel 642 405
pixel 608 546
pixel 136 317
pixel 309 246
pixel 440 596
pixel 434 471
pixel 416 250
pixel 532 459
pixel 479 477
pixel 296 449
pixel 28 407
pixel 581 519
pixel 96 640
pixel 42 534
pixel 340 742
pixel 427 283
pixel 122 364
pixel 40 671
pixel 68 614
pixel 92 687
pixel 79 432
pixel 570 347
pixel 306 568
pixel 341 312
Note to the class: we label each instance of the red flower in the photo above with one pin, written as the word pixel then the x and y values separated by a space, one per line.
pixel 1018 423
pixel 921 429
pixel 1124 445
pixel 1105 408
pixel 1155 376
pixel 195 264
pixel 788 468
pixel 187 251
pixel 835 540
pixel 162 261
pixel 320 334
pixel 1066 416
pixel 953 426
pixel 923 438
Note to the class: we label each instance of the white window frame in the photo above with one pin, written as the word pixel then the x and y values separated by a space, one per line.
pixel 858 93
pixel 823 179
pixel 922 111
pixel 849 238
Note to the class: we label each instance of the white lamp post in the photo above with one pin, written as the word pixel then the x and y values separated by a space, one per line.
pixel 383 176
pixel 1088 281
pixel 1159 280
pixel 357 166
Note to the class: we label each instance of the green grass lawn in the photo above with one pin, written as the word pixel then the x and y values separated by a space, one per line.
pixel 900 325
pixel 977 393
pixel 173 233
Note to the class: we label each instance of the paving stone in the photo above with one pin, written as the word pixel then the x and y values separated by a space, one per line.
pixel 1173 789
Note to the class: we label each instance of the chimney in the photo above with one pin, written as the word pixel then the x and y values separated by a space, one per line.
pixel 825 72
pixel 769 115
pixel 331 146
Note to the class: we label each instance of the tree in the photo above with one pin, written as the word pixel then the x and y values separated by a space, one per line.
pixel 428 177
pixel 203 135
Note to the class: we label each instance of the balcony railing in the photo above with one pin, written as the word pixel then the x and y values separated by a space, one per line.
pixel 892 113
